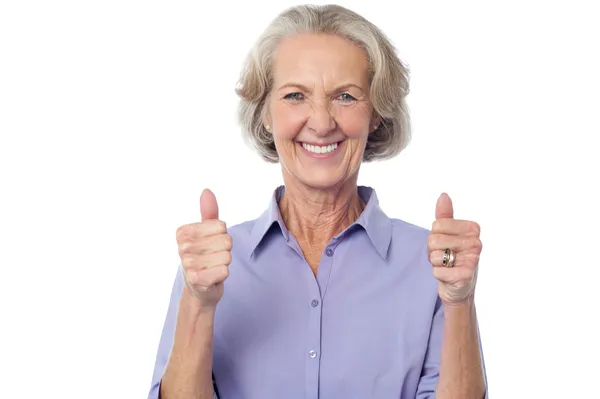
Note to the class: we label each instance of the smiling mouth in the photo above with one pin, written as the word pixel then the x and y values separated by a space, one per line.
pixel 317 149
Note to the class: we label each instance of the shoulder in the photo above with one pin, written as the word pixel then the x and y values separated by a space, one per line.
pixel 387 233
pixel 241 232
pixel 407 235
pixel 408 251
pixel 409 230
pixel 408 241
pixel 248 234
pixel 242 229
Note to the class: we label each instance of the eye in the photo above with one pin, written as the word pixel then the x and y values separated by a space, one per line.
pixel 346 98
pixel 294 96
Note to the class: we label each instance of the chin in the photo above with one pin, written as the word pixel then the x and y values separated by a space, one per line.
pixel 322 180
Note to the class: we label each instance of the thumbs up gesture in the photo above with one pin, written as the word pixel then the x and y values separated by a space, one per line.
pixel 453 248
pixel 205 252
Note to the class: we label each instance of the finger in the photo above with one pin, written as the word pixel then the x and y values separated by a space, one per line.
pixel 206 245
pixel 194 231
pixel 461 259
pixel 208 205
pixel 199 262
pixel 456 227
pixel 207 278
pixel 457 243
pixel 443 207
pixel 453 275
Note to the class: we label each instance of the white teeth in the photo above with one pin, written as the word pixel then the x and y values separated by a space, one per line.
pixel 319 149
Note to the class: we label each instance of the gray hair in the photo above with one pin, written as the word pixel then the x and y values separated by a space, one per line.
pixel 388 77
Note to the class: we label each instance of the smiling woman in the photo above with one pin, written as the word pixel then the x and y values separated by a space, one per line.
pixel 375 74
pixel 327 297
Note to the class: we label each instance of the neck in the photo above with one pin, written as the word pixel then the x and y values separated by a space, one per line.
pixel 314 216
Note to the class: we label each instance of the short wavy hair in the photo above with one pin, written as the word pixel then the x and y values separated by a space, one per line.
pixel 388 77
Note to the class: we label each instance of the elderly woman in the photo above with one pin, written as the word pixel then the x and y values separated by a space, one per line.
pixel 324 295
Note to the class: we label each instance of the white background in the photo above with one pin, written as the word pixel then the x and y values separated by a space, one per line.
pixel 114 115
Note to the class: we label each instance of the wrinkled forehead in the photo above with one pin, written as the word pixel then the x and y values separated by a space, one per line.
pixel 319 60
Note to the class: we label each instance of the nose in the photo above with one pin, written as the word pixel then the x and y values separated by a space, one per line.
pixel 321 122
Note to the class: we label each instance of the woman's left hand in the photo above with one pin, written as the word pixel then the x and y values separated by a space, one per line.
pixel 456 284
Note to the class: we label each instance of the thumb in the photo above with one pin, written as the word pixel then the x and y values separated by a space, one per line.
pixel 443 208
pixel 208 205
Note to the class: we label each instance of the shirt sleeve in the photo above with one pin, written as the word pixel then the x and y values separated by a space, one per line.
pixel 166 338
pixel 431 366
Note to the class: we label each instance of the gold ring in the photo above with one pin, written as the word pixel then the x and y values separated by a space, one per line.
pixel 448 260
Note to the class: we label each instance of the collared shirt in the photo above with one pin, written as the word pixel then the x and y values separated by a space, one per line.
pixel 369 325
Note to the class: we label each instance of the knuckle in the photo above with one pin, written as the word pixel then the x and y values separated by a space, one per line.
pixel 475 228
pixel 228 242
pixel 227 258
pixel 221 226
pixel 212 227
pixel 432 240
pixel 225 272
pixel 432 257
pixel 213 276
pixel 181 233
pixel 191 277
pixel 187 262
pixel 478 245
pixel 184 247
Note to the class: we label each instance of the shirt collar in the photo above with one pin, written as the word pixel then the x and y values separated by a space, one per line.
pixel 372 219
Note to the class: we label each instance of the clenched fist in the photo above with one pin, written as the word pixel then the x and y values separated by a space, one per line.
pixel 205 252
pixel 457 282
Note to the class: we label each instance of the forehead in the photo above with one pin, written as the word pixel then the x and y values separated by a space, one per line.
pixel 324 58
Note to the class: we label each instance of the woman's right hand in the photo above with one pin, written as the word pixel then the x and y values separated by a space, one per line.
pixel 205 252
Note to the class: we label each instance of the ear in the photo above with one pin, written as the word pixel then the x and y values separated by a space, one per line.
pixel 267 125
pixel 375 122
pixel 266 117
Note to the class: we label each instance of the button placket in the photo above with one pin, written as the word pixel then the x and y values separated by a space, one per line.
pixel 313 338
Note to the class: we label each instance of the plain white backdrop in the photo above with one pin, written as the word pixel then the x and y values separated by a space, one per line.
pixel 114 115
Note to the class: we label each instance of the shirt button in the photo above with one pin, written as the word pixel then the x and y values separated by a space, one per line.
pixel 312 354
pixel 329 252
pixel 314 303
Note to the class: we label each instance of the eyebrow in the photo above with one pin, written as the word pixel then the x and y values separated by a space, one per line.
pixel 306 89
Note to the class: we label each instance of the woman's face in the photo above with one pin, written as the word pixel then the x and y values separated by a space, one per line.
pixel 319 111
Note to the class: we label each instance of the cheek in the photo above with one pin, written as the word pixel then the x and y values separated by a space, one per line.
pixel 354 122
pixel 288 120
